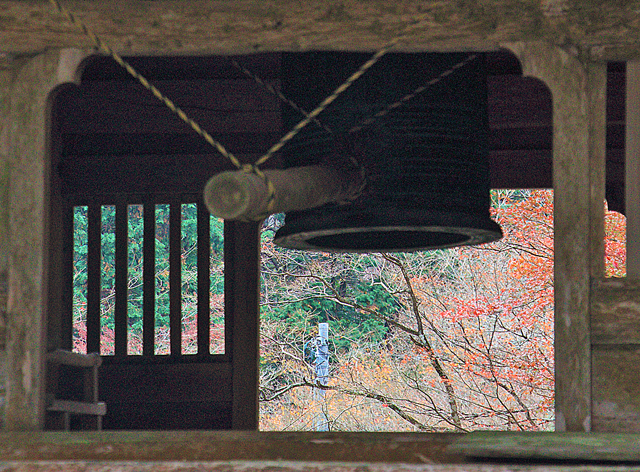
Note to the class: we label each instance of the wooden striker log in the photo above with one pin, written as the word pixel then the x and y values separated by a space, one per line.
pixel 240 195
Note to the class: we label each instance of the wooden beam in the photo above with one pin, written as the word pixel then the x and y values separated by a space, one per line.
pixel 578 88
pixel 101 119
pixel 78 408
pixel 241 195
pixel 175 277
pixel 140 382
pixel 66 302
pixel 250 26
pixel 121 320
pixel 215 67
pixel 204 279
pixel 242 313
pixel 345 450
pixel 549 448
pixel 161 143
pixel 75 359
pixel 149 279
pixel 94 276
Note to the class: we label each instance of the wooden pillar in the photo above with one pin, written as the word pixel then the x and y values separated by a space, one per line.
pixel 578 88
pixel 242 291
pixel 25 141
pixel 632 169
pixel 615 302
pixel 5 91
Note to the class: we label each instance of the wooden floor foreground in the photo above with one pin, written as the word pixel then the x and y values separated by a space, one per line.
pixel 258 466
pixel 313 452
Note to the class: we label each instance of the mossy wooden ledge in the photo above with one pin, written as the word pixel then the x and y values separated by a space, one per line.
pixel 536 446
pixel 216 446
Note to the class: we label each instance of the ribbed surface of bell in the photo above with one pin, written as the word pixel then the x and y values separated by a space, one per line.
pixel 425 162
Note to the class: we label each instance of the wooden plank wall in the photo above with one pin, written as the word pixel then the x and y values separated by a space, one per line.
pixel 615 338
pixel 167 396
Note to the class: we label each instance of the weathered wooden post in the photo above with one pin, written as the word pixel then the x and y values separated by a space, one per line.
pixel 632 168
pixel 23 143
pixel 615 302
pixel 579 92
pixel 5 91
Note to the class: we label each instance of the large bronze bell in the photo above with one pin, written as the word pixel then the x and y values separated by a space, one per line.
pixel 425 167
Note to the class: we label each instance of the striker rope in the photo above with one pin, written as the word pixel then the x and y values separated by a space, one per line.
pixel 308 117
pixel 327 101
pixel 269 88
pixel 410 96
pixel 102 46
pixel 252 168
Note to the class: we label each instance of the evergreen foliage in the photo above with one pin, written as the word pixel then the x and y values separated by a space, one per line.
pixel 135 238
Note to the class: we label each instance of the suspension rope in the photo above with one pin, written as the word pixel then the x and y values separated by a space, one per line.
pixel 277 93
pixel 411 95
pixel 308 117
pixel 327 101
pixel 102 46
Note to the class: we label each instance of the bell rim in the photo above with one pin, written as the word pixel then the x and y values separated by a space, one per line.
pixel 473 231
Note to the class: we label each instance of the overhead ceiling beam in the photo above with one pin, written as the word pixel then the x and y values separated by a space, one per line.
pixel 604 28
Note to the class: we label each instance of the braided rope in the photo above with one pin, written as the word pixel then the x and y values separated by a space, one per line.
pixel 308 117
pixel 327 101
pixel 277 93
pixel 102 46
pixel 410 96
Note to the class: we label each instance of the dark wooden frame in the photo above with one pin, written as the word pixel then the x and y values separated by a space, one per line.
pixel 235 371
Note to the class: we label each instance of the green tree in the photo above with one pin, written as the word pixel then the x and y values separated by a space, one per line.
pixel 135 241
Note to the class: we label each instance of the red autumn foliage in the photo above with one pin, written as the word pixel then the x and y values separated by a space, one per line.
pixel 471 346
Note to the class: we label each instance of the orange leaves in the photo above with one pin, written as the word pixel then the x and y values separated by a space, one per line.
pixel 615 244
pixel 480 307
pixel 470 330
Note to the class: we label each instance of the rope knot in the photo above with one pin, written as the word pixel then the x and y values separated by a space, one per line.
pixel 250 169
pixel 271 190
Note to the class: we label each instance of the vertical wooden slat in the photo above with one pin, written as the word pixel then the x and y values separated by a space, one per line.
pixel 204 248
pixel 58 280
pixel 632 168
pixel 596 96
pixel 175 277
pixel 120 315
pixel 242 302
pixel 94 220
pixel 66 317
pixel 148 279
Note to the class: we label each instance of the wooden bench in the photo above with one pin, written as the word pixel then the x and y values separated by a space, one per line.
pixel 72 389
